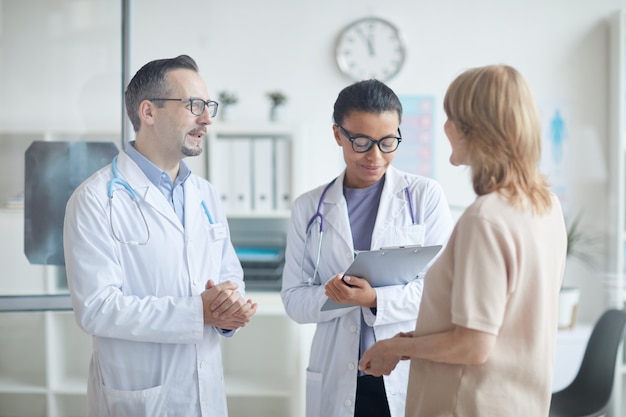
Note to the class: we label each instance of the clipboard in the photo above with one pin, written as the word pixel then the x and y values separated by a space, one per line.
pixel 397 265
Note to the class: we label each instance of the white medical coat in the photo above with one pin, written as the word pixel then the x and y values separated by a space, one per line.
pixel 333 364
pixel 153 355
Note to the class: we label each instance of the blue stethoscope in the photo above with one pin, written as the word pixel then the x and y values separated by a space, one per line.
pixel 319 216
pixel 133 195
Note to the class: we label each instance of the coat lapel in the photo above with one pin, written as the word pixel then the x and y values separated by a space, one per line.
pixel 393 204
pixel 336 212
pixel 145 190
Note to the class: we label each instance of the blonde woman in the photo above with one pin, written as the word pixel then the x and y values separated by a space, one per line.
pixel 485 335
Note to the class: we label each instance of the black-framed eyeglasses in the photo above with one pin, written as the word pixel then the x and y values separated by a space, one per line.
pixel 362 143
pixel 196 105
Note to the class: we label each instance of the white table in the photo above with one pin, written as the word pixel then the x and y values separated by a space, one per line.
pixel 570 348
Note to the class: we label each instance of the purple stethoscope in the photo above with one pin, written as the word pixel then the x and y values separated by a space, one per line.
pixel 318 215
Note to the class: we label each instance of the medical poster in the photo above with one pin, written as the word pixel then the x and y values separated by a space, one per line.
pixel 555 122
pixel 416 153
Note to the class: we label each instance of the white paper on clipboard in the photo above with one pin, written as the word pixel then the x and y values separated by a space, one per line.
pixel 388 266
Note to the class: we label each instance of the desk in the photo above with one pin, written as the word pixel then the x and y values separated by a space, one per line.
pixel 570 348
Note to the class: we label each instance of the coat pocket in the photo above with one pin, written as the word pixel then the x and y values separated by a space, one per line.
pixel 143 403
pixel 313 394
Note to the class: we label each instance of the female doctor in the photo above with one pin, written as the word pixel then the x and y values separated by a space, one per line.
pixel 368 206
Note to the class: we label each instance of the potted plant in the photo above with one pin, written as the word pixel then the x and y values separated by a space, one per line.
pixel 277 99
pixel 226 99
pixel 578 245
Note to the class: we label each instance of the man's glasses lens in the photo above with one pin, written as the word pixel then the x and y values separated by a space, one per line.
pixel 197 106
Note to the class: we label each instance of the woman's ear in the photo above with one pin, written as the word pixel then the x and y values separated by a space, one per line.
pixel 337 134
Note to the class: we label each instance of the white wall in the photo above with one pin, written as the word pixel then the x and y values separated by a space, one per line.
pixel 252 47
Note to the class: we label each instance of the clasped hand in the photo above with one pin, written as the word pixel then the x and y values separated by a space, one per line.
pixel 224 307
pixel 347 289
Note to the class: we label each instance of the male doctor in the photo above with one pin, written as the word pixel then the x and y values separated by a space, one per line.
pixel 151 270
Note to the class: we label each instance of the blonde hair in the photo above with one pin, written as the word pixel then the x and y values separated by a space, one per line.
pixel 494 109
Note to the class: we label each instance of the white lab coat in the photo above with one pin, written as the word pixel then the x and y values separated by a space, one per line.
pixel 333 365
pixel 153 355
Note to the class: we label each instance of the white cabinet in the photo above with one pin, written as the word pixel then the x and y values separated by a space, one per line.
pixel 43 365
pixel 44 356
pixel 265 362
pixel 570 349
pixel 44 359
pixel 251 166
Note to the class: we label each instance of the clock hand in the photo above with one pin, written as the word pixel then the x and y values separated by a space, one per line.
pixel 368 39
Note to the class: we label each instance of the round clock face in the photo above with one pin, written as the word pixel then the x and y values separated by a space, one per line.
pixel 370 48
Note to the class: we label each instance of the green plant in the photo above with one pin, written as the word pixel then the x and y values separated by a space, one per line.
pixel 227 98
pixel 580 243
pixel 277 97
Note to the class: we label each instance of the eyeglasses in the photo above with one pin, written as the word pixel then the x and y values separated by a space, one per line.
pixel 196 105
pixel 362 143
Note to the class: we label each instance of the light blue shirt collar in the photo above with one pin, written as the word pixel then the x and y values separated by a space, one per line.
pixel 173 192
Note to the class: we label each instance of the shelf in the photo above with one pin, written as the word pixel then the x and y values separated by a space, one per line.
pixel 252 167
pixel 242 129
pixel 265 362
pixel 18 277
pixel 46 375
pixel 26 405
pixel 23 353
pixel 259 407
pixel 269 302
pixel 12 384
pixel 250 385
pixel 276 214
pixel 68 406
pixel 68 354
pixel 71 386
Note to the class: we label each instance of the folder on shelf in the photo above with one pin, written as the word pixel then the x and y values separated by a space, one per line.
pixel 263 164
pixel 388 266
pixel 283 175
pixel 240 175
pixel 218 170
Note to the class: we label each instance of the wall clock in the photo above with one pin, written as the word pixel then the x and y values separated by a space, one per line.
pixel 370 48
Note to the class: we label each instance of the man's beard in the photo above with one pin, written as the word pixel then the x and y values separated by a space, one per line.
pixel 187 151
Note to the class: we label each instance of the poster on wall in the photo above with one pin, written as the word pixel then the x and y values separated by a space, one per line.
pixel 555 124
pixel 417 127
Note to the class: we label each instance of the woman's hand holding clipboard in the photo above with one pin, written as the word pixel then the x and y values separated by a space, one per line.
pixel 397 265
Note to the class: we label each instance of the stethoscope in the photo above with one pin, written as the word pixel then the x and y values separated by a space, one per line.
pixel 319 216
pixel 133 195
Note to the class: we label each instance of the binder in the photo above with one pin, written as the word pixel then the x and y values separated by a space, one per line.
pixel 263 164
pixel 240 175
pixel 283 175
pixel 219 174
